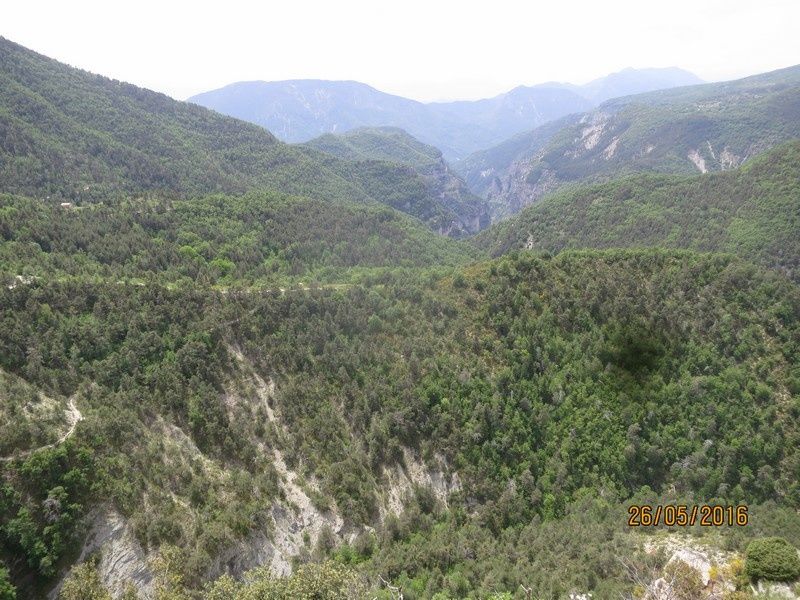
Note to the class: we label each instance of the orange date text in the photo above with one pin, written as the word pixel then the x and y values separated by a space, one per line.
pixel 683 515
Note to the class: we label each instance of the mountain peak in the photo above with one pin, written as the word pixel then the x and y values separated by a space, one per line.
pixel 631 81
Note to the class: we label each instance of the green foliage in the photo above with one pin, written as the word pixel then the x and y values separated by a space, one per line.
pixel 557 388
pixel 28 419
pixel 773 559
pixel 752 212
pixel 388 144
pixel 462 557
pixel 73 135
pixel 543 381
pixel 83 583
pixel 7 589
pixel 40 516
pixel 325 581
pixel 262 238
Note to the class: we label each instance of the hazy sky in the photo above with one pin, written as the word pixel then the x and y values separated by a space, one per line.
pixel 423 49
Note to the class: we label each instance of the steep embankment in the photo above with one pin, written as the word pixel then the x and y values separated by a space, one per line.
pixel 66 133
pixel 753 211
pixel 396 146
pixel 704 128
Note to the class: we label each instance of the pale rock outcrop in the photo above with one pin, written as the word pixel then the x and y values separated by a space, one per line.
pixel 697 160
pixel 122 560
pixel 400 482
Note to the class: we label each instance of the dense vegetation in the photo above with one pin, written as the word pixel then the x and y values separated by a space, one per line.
pixel 68 134
pixel 378 143
pixel 753 211
pixel 28 419
pixel 540 381
pixel 706 127
pixel 396 146
pixel 772 558
pixel 260 238
pixel 201 364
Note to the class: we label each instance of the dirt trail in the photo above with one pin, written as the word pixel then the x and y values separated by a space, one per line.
pixel 74 416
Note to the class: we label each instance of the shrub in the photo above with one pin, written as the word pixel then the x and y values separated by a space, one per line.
pixel 7 590
pixel 83 583
pixel 773 558
pixel 686 581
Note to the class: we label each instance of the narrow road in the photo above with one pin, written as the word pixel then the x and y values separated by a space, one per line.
pixel 74 416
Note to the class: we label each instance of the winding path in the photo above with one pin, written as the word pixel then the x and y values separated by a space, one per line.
pixel 74 416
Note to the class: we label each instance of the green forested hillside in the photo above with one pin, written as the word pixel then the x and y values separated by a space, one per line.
pixel 260 238
pixel 378 143
pixel 540 382
pixel 753 211
pixel 66 133
pixel 394 145
pixel 204 386
pixel 692 129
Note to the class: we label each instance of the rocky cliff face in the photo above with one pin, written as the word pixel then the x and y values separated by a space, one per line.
pixel 704 128
pixel 469 213
pixel 122 560
pixel 296 522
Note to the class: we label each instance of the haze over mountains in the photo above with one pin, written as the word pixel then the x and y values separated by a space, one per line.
pixel 298 110
pixel 702 128
pixel 234 368
pixel 71 134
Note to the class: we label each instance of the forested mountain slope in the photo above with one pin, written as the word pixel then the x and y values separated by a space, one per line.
pixel 299 110
pixel 396 146
pixel 701 128
pixel 260 238
pixel 391 144
pixel 71 134
pixel 753 211
pixel 501 379
pixel 241 377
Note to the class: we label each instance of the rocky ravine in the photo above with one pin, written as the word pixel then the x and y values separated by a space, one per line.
pixel 297 522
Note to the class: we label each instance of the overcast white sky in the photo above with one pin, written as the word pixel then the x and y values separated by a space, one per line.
pixel 423 49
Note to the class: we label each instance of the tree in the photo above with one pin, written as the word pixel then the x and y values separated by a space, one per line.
pixel 7 589
pixel 83 583
pixel 773 558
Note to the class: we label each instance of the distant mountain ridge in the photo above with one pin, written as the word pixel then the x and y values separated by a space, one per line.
pixel 702 128
pixel 636 81
pixel 299 110
pixel 71 134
